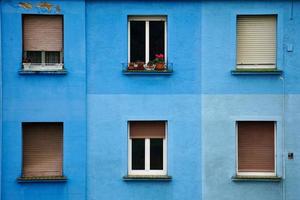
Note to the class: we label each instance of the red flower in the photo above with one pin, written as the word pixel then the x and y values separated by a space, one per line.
pixel 159 56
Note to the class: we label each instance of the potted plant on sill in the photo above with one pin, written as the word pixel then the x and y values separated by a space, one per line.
pixel 159 62
pixel 150 65
pixel 26 63
pixel 138 65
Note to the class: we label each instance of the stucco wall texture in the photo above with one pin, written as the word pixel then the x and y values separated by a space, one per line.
pixel 201 100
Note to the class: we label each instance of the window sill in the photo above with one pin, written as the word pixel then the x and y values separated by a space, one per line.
pixel 256 72
pixel 147 178
pixel 43 72
pixel 256 178
pixel 36 179
pixel 147 72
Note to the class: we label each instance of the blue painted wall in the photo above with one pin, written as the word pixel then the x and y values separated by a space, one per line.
pixel 227 98
pixel 44 98
pixel 201 101
pixel 115 98
pixel 0 95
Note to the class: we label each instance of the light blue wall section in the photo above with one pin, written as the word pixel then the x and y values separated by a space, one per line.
pixel 107 146
pixel 227 98
pixel 115 98
pixel 1 107
pixel 44 98
pixel 292 141
pixel 219 116
pixel 218 47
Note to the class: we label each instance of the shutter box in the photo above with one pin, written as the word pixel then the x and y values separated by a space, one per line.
pixel 147 129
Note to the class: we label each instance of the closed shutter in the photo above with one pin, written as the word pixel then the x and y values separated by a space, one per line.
pixel 256 40
pixel 256 147
pixel 42 149
pixel 42 33
pixel 147 129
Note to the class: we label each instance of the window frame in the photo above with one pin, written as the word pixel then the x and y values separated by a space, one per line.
pixel 257 66
pixel 43 66
pixel 257 174
pixel 147 171
pixel 147 19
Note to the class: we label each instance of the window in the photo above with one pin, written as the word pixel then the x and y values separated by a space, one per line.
pixel 256 148
pixel 147 148
pixel 147 42
pixel 42 149
pixel 256 41
pixel 42 42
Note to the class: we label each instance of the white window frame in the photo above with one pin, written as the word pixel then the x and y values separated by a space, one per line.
pixel 255 174
pixel 43 65
pixel 147 19
pixel 147 170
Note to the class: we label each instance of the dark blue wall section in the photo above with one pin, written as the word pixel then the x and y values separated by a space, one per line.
pixel 44 98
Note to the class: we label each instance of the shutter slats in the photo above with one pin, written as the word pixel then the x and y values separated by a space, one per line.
pixel 256 40
pixel 256 147
pixel 43 33
pixel 42 149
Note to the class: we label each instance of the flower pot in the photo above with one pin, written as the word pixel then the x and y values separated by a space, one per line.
pixel 131 66
pixel 26 66
pixel 150 67
pixel 140 66
pixel 160 66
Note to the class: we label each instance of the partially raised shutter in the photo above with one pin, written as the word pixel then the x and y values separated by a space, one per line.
pixel 42 149
pixel 256 40
pixel 147 129
pixel 256 147
pixel 42 33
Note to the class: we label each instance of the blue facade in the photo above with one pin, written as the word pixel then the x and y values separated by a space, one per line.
pixel 44 98
pixel 201 101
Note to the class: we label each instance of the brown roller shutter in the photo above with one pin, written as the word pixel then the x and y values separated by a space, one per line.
pixel 147 129
pixel 42 32
pixel 42 149
pixel 256 147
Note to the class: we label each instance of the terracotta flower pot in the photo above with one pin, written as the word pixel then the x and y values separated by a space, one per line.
pixel 131 66
pixel 160 66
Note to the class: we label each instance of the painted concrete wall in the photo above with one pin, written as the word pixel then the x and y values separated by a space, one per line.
pixel 201 101
pixel 44 98
pixel 0 95
pixel 227 98
pixel 115 98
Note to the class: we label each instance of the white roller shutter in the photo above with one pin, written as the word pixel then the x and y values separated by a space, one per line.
pixel 256 41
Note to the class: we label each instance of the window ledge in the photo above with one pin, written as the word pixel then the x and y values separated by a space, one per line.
pixel 256 72
pixel 35 179
pixel 45 72
pixel 256 178
pixel 147 72
pixel 147 178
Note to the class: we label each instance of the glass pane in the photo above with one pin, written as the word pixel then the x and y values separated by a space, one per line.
pixel 138 154
pixel 52 57
pixel 157 38
pixel 137 41
pixel 156 154
pixel 33 57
